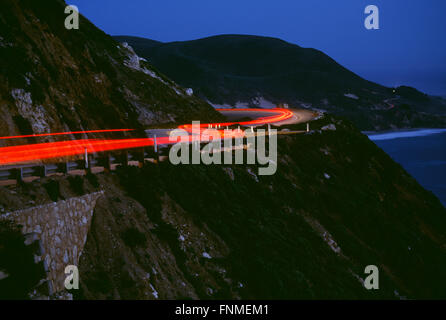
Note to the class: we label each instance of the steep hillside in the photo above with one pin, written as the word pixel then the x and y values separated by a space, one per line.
pixel 19 274
pixel 336 204
pixel 234 69
pixel 54 79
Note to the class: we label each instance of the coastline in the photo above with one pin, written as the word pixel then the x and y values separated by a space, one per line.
pixel 421 153
pixel 402 133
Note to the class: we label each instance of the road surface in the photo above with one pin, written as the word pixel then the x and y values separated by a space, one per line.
pixel 20 154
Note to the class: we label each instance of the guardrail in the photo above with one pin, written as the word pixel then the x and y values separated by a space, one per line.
pixel 106 160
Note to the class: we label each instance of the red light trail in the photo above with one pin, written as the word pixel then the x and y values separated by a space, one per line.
pixel 280 115
pixel 41 151
pixel 64 133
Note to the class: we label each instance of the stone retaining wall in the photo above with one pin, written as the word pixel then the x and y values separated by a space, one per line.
pixel 62 228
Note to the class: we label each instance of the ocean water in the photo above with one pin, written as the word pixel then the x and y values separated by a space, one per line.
pixel 422 153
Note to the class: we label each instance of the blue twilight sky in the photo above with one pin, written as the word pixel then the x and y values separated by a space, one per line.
pixel 409 48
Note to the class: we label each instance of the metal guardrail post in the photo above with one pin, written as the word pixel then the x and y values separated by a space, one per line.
pixel 86 158
pixel 87 162
pixel 42 171
pixel 18 175
pixel 155 144
pixel 65 167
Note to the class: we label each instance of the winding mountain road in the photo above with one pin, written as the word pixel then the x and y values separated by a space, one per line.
pixel 29 153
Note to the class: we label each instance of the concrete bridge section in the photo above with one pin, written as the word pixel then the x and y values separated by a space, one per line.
pixel 62 229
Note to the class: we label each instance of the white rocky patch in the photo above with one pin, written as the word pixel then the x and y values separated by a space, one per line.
pixel 330 127
pixel 229 172
pixel 261 102
pixel 134 62
pixel 206 255
pixel 320 113
pixel 97 78
pixel 357 277
pixel 241 105
pixel 324 234
pixel 351 96
pixel 325 151
pixel 34 114
pixel 154 292
pixel 27 78
pixel 306 105
pixel 177 91
pixel 3 275
pixel 331 243
pixel 253 174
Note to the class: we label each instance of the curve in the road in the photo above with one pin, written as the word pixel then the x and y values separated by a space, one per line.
pixel 41 151
pixel 278 115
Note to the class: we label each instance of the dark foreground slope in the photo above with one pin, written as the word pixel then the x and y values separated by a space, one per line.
pixel 234 68
pixel 336 204
pixel 19 274
pixel 53 79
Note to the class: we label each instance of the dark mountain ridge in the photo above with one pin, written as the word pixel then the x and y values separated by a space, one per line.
pixel 234 69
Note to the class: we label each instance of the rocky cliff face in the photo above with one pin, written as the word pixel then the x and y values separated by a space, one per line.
pixel 53 79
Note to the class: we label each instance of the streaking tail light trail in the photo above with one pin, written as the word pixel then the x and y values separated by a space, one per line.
pixel 65 133
pixel 279 115
pixel 42 151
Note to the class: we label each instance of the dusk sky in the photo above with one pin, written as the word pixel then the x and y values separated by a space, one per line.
pixel 409 48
